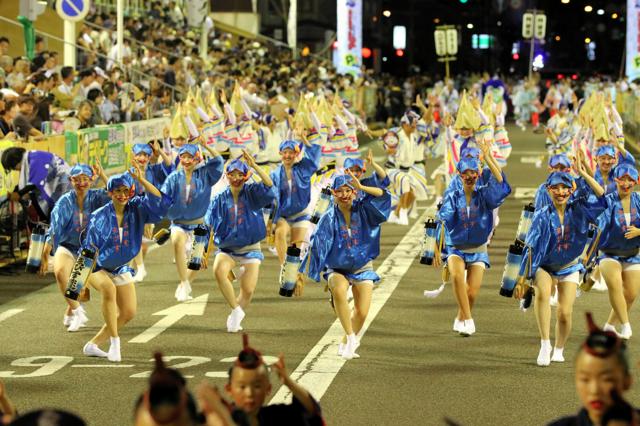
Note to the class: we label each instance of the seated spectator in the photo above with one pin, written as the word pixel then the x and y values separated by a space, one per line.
pixel 602 378
pixel 250 372
pixel 65 92
pixel 96 97
pixel 85 115
pixel 167 401
pixel 109 109
pixel 161 102
pixel 4 46
pixel 17 79
pixel 8 113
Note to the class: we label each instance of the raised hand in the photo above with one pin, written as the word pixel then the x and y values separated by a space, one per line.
pixel 248 158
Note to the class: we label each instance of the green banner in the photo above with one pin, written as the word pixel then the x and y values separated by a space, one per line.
pixel 105 144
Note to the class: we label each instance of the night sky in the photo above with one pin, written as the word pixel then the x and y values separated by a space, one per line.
pixel 567 55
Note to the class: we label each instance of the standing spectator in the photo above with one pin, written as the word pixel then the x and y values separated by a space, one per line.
pixel 96 98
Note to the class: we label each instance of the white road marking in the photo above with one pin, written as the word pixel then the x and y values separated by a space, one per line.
pixel 9 313
pixel 172 316
pixel 525 192
pixel 102 366
pixel 321 365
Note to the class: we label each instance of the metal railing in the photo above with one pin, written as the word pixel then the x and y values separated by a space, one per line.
pixel 139 75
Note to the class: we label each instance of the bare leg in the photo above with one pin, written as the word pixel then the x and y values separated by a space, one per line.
pixel 222 264
pixel 361 303
pixel 248 282
pixel 457 269
pixel 612 274
pixel 179 240
pixel 542 308
pixel 127 302
pixel 282 234
pixel 101 282
pixel 339 285
pixel 564 312
pixel 474 281
pixel 298 235
pixel 62 266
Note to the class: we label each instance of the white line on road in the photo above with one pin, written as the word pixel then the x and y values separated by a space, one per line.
pixel 171 316
pixel 102 366
pixel 8 314
pixel 321 365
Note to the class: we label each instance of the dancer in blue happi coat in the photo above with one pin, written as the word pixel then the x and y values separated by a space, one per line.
pixel 235 217
pixel 557 163
pixel 69 217
pixel 343 247
pixel 292 180
pixel 378 178
pixel 146 155
pixel 553 250
pixel 115 233
pixel 190 189
pixel 619 258
pixel 467 215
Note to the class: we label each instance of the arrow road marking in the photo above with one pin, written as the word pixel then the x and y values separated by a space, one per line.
pixel 171 316
pixel 8 314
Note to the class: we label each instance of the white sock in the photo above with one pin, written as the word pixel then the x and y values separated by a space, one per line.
pixel 114 341
pixel 558 352
pixel 141 268
pixel 545 344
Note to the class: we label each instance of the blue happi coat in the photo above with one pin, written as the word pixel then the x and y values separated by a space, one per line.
pixel 554 246
pixel 295 199
pixel 194 205
pixel 613 225
pixel 337 247
pixel 66 223
pixel 472 227
pixel 103 232
pixel 242 224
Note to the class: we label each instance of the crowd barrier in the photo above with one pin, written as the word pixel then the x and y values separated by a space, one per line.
pixel 111 145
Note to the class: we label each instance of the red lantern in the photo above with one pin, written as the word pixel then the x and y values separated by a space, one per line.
pixel 366 52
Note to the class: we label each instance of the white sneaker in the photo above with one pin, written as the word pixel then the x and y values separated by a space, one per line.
pixel 78 320
pixel 140 275
pixel 413 213
pixel 600 285
pixel 341 347
pixel 234 319
pixel 558 355
pixel 393 218
pixel 66 320
pixel 351 346
pixel 114 350
pixel 544 356
pixel 625 331
pixel 403 218
pixel 609 327
pixel 467 328
pixel 457 325
pixel 91 349
pixel 183 292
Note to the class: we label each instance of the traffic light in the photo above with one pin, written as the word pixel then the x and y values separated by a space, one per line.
pixel 515 56
pixel 463 1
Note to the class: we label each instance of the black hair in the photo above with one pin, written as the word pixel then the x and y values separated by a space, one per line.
pixel 108 89
pixel 4 40
pixel 11 157
pixel 25 99
pixel 66 72
pixel 51 417
pixel 94 94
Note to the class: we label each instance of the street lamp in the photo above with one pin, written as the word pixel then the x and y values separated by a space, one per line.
pixel 588 8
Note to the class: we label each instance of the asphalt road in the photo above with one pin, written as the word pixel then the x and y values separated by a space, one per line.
pixel 413 369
